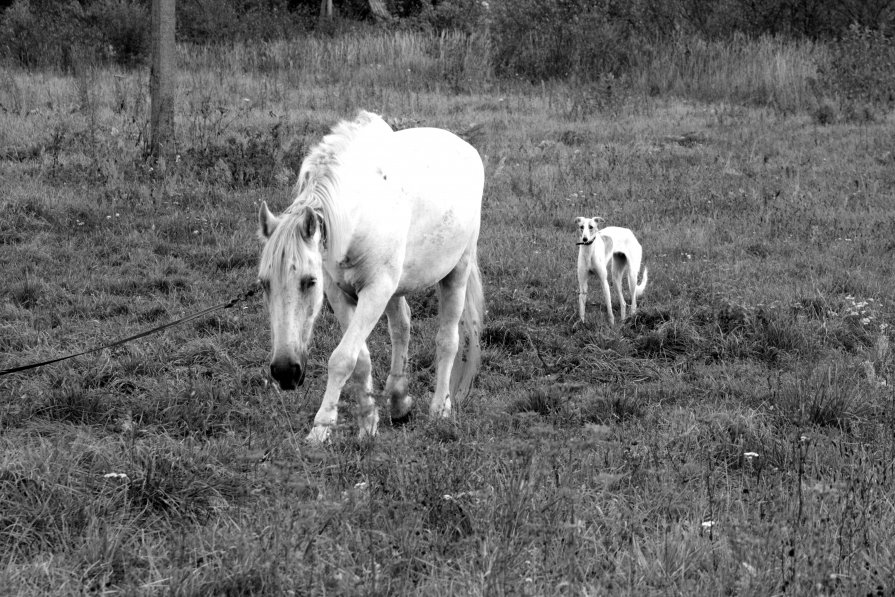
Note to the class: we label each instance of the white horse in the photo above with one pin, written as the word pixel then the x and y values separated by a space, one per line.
pixel 378 214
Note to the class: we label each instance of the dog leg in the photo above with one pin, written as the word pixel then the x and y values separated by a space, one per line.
pixel 618 272
pixel 607 298
pixel 582 295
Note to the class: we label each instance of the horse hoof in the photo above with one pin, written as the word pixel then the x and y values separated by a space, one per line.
pixel 368 426
pixel 400 409
pixel 319 434
pixel 443 411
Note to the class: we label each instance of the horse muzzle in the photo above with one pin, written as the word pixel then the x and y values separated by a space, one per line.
pixel 288 374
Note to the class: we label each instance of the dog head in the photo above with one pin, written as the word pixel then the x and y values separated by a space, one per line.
pixel 588 229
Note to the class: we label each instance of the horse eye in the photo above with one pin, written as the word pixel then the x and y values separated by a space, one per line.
pixel 307 282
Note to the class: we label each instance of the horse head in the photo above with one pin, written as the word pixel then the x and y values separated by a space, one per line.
pixel 291 275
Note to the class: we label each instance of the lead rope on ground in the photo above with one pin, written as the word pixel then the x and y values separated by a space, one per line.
pixel 244 296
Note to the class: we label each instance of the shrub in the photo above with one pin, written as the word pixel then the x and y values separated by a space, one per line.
pixel 16 28
pixel 123 27
pixel 550 40
pixel 861 72
pixel 215 21
pixel 40 33
pixel 467 16
pixel 205 20
pixel 44 34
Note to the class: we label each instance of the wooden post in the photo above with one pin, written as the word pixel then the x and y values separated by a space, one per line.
pixel 162 80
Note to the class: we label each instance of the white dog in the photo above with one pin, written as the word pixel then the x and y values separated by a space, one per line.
pixel 613 247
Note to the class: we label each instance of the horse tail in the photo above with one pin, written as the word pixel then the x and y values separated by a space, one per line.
pixel 642 286
pixel 469 353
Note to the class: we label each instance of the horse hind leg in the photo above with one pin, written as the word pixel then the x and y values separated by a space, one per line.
pixel 451 299
pixel 361 389
pixel 398 313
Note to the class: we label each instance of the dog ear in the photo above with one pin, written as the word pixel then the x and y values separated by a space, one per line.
pixel 598 219
pixel 578 220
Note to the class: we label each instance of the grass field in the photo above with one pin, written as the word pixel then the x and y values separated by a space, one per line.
pixel 734 437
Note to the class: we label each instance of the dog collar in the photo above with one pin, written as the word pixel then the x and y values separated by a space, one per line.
pixel 588 243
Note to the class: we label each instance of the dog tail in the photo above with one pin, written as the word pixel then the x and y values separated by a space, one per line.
pixel 469 353
pixel 642 286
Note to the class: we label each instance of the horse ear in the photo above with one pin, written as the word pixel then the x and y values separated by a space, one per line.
pixel 267 222
pixel 309 225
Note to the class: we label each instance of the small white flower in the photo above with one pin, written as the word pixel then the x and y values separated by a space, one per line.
pixel 750 455
pixel 865 320
pixel 708 524
pixel 122 476
pixel 804 438
pixel 362 485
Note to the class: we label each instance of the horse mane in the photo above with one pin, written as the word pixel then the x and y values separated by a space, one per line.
pixel 317 188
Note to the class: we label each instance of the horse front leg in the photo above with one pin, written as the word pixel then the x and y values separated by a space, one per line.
pixel 343 361
pixel 398 313
pixel 360 385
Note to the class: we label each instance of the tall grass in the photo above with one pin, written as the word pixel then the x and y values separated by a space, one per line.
pixel 766 71
pixel 419 59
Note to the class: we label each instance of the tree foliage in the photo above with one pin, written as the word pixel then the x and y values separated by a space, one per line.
pixel 531 38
